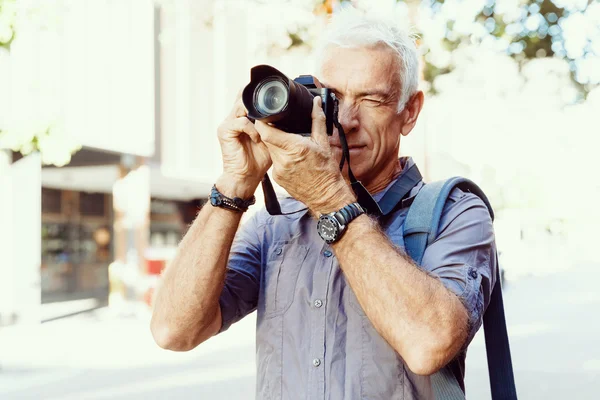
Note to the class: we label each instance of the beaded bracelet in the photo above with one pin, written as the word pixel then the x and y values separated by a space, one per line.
pixel 218 199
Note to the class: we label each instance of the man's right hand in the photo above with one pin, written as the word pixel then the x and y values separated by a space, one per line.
pixel 245 157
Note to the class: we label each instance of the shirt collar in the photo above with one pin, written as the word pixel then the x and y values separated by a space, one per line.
pixel 405 163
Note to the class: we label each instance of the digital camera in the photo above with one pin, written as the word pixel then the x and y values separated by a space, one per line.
pixel 273 98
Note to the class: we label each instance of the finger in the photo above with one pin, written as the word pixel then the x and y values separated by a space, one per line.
pixel 275 137
pixel 275 153
pixel 319 128
pixel 238 110
pixel 239 126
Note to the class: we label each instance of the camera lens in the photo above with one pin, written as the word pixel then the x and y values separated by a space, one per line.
pixel 271 97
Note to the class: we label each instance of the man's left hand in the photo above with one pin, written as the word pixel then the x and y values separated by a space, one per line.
pixel 305 166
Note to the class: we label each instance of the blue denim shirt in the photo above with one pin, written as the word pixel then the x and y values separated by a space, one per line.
pixel 313 339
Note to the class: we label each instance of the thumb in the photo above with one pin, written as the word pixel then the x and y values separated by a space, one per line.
pixel 319 129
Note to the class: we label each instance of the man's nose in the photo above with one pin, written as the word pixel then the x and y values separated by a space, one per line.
pixel 348 117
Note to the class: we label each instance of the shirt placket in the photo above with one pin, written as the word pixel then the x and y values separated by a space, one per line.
pixel 318 321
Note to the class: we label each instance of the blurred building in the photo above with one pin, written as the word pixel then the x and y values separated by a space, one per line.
pixel 141 87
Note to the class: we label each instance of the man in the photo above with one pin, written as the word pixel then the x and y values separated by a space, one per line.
pixel 355 319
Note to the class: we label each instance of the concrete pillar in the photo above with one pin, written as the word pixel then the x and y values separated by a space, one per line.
pixel 7 287
pixel 20 239
pixel 131 204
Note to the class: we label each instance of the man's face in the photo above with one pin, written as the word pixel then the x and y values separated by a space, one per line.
pixel 367 82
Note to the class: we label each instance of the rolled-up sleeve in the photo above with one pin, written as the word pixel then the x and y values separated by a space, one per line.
pixel 242 281
pixel 463 255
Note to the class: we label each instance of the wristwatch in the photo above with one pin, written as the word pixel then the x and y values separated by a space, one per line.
pixel 332 226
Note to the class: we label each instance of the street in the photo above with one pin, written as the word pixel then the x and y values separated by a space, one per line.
pixel 553 325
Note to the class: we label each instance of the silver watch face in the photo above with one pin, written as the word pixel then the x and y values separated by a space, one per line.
pixel 328 228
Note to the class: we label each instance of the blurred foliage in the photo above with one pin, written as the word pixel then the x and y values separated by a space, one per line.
pixel 534 30
pixel 8 14
pixel 50 141
pixel 524 29
pixel 53 145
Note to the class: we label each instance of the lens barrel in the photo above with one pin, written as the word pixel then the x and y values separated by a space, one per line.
pixel 271 96
pixel 274 98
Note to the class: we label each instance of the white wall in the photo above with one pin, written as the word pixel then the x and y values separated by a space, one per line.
pixel 204 62
pixel 7 288
pixel 20 239
pixel 87 68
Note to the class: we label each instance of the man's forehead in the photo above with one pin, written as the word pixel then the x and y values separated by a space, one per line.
pixel 360 69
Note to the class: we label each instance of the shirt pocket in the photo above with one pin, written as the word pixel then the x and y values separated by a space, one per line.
pixel 284 262
pixel 350 299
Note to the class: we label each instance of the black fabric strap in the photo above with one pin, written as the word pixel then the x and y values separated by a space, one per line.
pixel 403 185
pixel 348 213
pixel 355 210
pixel 271 202
pixel 345 149
pixel 362 194
pixel 502 378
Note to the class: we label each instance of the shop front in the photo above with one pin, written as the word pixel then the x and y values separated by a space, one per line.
pixel 76 245
pixel 97 217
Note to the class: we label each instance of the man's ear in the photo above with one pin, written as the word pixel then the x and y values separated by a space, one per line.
pixel 411 112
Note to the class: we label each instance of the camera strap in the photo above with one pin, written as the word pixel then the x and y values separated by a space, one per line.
pixel 362 194
pixel 271 202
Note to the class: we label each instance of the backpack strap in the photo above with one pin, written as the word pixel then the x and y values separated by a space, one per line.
pixel 445 386
pixel 502 380
pixel 420 230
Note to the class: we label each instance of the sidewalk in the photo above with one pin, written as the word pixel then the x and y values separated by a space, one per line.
pixel 62 309
pixel 105 354
pixel 108 354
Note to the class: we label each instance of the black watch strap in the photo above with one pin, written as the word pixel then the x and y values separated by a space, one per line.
pixel 331 227
pixel 346 214
pixel 218 199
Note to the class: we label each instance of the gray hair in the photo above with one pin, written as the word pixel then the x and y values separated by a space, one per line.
pixel 350 28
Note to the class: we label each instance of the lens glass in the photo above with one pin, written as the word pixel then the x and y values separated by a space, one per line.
pixel 271 97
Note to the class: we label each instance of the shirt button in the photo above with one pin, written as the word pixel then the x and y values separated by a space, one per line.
pixel 316 362
pixel 327 253
pixel 278 251
pixel 473 273
pixel 318 303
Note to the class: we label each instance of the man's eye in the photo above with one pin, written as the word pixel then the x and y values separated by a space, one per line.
pixel 373 102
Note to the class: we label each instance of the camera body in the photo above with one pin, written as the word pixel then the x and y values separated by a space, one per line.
pixel 273 98
pixel 327 98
